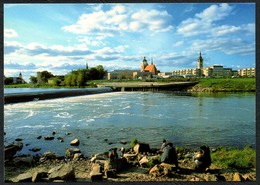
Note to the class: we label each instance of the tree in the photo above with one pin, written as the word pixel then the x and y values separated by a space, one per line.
pixel 42 77
pixel 8 80
pixel 67 80
pixel 33 79
pixel 80 79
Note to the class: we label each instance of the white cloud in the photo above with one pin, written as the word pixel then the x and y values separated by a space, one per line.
pixel 10 33
pixel 120 19
pixel 203 23
pixel 215 12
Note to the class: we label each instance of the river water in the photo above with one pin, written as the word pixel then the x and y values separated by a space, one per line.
pixel 101 121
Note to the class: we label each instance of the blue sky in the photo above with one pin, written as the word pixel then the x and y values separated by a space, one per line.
pixel 64 37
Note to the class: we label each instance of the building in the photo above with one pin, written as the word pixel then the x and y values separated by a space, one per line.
pixel 145 67
pixel 120 74
pixel 214 71
pixel 248 72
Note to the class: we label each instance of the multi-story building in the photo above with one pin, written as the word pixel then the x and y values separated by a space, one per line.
pixel 247 72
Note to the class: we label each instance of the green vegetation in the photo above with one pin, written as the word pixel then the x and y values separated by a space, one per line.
pixel 228 84
pixel 234 158
pixel 133 142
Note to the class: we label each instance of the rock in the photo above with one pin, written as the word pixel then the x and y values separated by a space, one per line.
pixel 209 177
pixel 77 156
pixel 117 164
pixel 50 155
pixel 195 179
pixel 27 160
pixel 96 172
pixel 141 147
pixel 144 161
pixel 74 142
pixel 238 177
pixel 170 167
pixel 12 149
pixel 37 176
pixel 123 142
pixel 156 171
pixel 60 139
pixel 68 133
pixel 70 152
pixel 111 173
pixel 49 138
pixel 18 139
pixel 39 137
pixel 53 132
pixel 24 177
pixel 35 149
pixel 130 157
pixel 62 172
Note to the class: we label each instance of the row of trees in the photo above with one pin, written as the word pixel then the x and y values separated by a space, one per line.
pixel 74 78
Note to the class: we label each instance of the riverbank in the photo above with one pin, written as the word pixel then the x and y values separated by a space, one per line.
pixel 140 163
pixel 225 85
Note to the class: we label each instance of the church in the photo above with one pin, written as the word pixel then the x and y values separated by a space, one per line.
pixel 147 70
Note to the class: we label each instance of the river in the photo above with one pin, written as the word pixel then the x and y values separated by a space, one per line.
pixel 101 121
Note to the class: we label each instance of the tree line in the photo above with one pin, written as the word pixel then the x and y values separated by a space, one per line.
pixel 77 78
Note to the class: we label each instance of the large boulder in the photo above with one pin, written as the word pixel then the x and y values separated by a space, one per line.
pixel 24 177
pixel 156 171
pixel 141 148
pixel 117 164
pixel 96 172
pixel 23 160
pixel 12 149
pixel 62 172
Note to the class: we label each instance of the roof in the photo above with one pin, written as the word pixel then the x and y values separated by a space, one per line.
pixel 151 68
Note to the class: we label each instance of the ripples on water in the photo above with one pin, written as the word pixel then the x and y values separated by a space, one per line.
pixel 227 119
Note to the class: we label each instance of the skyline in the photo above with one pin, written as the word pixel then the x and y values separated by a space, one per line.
pixel 64 37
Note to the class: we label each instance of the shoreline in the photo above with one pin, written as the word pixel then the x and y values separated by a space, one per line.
pixel 137 166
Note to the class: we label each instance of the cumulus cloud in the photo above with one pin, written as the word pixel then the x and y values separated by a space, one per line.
pixel 203 22
pixel 118 19
pixel 215 12
pixel 10 33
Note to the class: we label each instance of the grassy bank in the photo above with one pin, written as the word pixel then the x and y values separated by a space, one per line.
pixel 226 85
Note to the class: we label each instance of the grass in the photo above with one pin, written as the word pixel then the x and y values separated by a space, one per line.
pixel 234 158
pixel 229 84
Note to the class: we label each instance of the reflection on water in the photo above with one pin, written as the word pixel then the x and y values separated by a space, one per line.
pixel 102 121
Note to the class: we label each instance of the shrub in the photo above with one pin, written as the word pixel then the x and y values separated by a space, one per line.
pixel 133 142
pixel 235 158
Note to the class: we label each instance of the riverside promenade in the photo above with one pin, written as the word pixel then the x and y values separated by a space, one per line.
pixel 148 86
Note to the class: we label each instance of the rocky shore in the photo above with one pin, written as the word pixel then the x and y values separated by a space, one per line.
pixel 140 163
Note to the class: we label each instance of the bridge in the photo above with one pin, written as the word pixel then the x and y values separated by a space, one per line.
pixel 148 86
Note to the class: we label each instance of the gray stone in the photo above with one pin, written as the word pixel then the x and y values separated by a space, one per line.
pixel 96 172
pixel 62 172
pixel 49 138
pixel 50 155
pixel 156 171
pixel 38 176
pixel 77 156
pixel 27 160
pixel 70 152
pixel 74 142
pixel 24 177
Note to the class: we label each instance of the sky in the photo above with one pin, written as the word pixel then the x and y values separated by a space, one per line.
pixel 60 38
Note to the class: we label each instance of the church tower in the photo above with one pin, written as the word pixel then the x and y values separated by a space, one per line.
pixel 200 62
pixel 144 64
